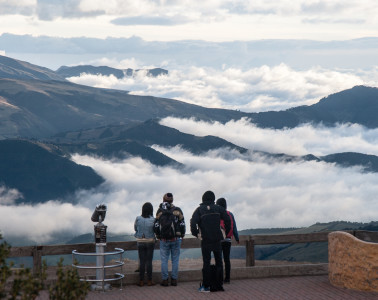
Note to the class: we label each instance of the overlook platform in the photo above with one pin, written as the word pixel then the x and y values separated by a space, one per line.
pixel 296 287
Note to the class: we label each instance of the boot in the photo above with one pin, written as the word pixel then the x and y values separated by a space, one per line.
pixel 150 283
pixel 140 283
pixel 164 282
pixel 174 282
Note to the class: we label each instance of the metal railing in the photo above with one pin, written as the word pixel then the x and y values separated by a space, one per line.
pixel 101 268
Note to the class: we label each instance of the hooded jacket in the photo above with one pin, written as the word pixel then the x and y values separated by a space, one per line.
pixel 206 221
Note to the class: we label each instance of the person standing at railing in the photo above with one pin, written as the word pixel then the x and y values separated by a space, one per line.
pixel 170 229
pixel 205 224
pixel 226 243
pixel 144 233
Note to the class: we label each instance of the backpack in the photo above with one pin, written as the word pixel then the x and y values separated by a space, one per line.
pixel 223 228
pixel 165 226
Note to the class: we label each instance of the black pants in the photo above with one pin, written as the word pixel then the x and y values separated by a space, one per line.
pixel 206 257
pixel 146 254
pixel 226 249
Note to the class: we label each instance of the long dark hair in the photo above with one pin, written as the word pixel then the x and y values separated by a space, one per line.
pixel 147 210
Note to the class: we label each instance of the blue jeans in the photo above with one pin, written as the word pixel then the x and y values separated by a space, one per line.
pixel 170 248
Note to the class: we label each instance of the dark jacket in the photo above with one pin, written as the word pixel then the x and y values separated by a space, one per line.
pixel 206 221
pixel 177 212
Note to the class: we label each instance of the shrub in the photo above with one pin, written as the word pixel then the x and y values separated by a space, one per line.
pixel 26 285
pixel 68 285
pixel 5 270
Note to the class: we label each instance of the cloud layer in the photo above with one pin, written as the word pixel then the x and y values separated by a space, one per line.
pixel 301 140
pixel 256 89
pixel 260 192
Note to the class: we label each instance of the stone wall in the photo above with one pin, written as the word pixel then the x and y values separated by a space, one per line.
pixel 353 263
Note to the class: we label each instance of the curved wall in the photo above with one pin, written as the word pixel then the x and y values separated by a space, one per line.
pixel 353 263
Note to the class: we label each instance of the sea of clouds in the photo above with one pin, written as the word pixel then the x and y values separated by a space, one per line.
pixel 262 192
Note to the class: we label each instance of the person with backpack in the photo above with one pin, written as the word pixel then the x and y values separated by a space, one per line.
pixel 144 233
pixel 205 224
pixel 170 229
pixel 226 243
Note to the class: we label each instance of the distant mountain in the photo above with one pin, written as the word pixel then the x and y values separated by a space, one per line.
pixel 369 163
pixel 151 132
pixel 357 105
pixel 17 69
pixel 126 141
pixel 41 108
pixel 135 139
pixel 120 149
pixel 37 109
pixel 41 173
pixel 75 71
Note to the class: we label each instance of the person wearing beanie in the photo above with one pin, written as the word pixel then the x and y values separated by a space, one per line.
pixel 168 197
pixel 205 224
pixel 170 241
pixel 226 243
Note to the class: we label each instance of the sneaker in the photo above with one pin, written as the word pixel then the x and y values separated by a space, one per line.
pixel 203 289
pixel 164 282
pixel 174 282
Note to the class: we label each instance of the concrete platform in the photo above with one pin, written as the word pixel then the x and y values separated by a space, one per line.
pixel 280 288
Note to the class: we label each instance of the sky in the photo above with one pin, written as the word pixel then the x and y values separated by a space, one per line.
pixel 248 55
pixel 210 20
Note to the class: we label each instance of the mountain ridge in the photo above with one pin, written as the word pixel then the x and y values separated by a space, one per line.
pixel 74 71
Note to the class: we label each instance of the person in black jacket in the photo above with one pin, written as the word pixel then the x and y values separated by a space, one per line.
pixel 205 224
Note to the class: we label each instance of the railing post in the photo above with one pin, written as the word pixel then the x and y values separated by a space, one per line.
pixel 37 259
pixel 250 252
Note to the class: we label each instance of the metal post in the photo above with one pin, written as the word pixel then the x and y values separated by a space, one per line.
pixel 100 240
pixel 100 263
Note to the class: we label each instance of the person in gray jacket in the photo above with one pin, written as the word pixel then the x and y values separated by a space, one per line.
pixel 144 233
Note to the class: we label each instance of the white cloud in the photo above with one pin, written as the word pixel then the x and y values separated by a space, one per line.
pixel 8 196
pixel 301 140
pixel 256 89
pixel 261 193
pixel 40 222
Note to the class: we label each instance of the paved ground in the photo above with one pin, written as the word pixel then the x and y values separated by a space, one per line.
pixel 303 288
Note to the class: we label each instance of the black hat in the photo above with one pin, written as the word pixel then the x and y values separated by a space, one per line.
pixel 222 202
pixel 208 197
